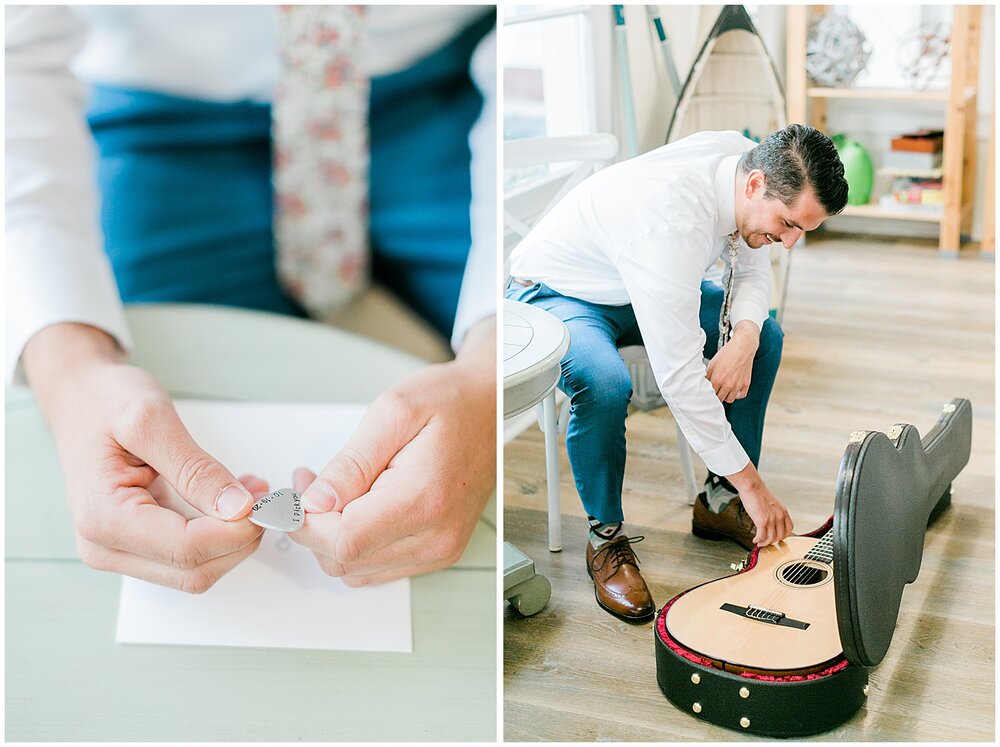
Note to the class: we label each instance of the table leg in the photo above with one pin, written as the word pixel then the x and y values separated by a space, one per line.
pixel 552 471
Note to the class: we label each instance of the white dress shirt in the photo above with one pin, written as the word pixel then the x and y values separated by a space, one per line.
pixel 56 267
pixel 644 232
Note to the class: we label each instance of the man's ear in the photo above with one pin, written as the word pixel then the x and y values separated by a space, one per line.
pixel 755 183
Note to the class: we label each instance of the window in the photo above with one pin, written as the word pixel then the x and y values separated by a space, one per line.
pixel 548 77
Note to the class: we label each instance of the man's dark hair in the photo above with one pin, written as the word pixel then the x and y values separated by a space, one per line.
pixel 797 157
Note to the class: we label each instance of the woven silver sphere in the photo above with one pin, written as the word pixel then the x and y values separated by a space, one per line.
pixel 836 51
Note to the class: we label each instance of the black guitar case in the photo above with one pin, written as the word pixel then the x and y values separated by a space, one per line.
pixel 890 488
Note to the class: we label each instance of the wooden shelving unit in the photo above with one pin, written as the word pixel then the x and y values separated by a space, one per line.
pixel 808 104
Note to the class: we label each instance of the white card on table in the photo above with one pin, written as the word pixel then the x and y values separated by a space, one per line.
pixel 278 597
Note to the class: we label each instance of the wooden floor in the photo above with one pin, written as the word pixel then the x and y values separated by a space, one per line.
pixel 876 333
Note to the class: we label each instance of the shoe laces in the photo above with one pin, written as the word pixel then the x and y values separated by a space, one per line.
pixel 742 517
pixel 618 553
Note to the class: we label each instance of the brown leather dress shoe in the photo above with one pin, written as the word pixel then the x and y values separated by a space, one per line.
pixel 618 585
pixel 732 522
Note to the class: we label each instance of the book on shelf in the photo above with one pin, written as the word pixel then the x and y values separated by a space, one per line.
pixel 902 160
pixel 921 141
pixel 910 191
pixel 888 203
pixel 918 173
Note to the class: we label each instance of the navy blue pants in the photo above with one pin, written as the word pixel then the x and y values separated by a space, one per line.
pixel 187 203
pixel 597 381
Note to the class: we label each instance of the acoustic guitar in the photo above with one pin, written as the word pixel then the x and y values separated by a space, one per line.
pixel 779 615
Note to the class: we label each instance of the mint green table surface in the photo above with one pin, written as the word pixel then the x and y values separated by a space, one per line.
pixel 67 678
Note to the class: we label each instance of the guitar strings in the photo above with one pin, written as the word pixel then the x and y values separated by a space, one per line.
pixel 822 545
pixel 781 594
pixel 800 574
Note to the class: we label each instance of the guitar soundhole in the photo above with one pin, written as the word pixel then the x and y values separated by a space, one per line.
pixel 804 574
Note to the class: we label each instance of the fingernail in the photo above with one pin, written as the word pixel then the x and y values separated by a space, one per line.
pixel 231 501
pixel 319 497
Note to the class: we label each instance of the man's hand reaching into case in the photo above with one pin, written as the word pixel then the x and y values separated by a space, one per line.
pixel 768 513
pixel 119 437
pixel 405 493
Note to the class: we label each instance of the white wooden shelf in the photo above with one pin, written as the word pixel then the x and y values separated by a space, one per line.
pixel 915 173
pixel 874 210
pixel 881 94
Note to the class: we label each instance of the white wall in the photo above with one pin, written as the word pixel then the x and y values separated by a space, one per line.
pixel 688 25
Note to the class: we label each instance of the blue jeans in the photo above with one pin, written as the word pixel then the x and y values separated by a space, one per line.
pixel 597 381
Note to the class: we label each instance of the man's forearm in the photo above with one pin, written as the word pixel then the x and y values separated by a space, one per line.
pixel 747 480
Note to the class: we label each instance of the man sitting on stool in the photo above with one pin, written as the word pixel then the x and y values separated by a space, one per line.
pixel 620 261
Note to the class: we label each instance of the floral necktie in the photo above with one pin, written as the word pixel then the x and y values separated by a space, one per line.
pixel 320 161
pixel 725 323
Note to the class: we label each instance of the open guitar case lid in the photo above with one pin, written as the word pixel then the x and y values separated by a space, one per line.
pixel 891 486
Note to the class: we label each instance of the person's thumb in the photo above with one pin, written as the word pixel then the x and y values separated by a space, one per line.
pixel 388 425
pixel 164 443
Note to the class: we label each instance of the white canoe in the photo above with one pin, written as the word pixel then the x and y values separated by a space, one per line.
pixel 733 84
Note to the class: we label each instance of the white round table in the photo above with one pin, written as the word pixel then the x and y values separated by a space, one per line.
pixel 534 342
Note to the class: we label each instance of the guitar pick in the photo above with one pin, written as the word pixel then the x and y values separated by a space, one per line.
pixel 281 510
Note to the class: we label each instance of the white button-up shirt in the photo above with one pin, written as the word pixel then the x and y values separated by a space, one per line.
pixel 56 267
pixel 644 232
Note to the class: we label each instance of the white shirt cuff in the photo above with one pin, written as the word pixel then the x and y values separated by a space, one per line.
pixel 84 291
pixel 727 459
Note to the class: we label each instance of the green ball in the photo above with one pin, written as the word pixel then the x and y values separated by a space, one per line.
pixel 858 169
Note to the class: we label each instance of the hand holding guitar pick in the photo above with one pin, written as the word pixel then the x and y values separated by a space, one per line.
pixel 120 444
pixel 405 493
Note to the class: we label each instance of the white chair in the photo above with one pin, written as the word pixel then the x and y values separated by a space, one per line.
pixel 591 152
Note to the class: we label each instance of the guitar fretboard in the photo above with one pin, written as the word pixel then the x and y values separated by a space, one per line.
pixel 822 550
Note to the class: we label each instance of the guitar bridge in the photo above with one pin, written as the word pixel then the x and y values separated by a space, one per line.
pixel 763 614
